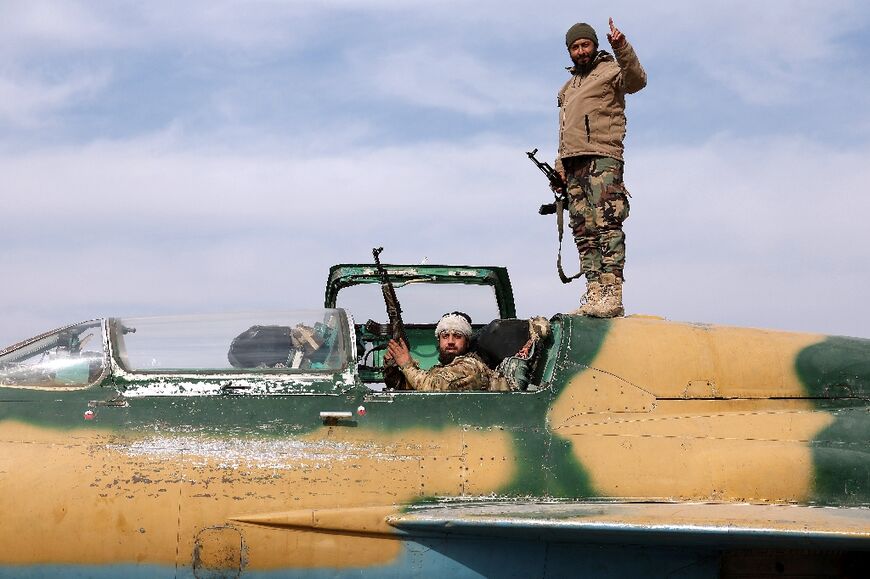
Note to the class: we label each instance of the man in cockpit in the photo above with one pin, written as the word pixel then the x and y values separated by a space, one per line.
pixel 457 368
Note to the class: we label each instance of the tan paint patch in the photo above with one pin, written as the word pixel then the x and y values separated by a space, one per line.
pixel 672 360
pixel 394 468
pixel 124 499
pixel 634 443
pixel 64 498
pixel 360 520
pixel 747 450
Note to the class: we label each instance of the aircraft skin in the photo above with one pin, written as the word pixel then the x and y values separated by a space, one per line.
pixel 644 447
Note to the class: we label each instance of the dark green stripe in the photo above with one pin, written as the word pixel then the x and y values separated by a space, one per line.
pixel 836 374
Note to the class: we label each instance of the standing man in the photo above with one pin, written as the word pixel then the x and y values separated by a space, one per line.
pixel 591 133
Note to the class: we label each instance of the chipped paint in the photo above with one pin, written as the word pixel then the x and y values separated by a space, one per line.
pixel 148 479
pixel 283 454
pixel 142 385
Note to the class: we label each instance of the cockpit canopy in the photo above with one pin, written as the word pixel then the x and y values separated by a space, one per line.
pixel 71 357
pixel 290 341
pixel 77 356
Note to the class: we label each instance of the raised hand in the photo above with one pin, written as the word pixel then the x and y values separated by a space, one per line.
pixel 615 37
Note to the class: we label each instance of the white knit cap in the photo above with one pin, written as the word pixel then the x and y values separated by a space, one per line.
pixel 453 323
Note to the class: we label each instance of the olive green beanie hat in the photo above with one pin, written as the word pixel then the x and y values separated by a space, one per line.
pixel 580 30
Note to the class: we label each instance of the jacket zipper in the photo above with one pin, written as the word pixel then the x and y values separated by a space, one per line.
pixel 588 132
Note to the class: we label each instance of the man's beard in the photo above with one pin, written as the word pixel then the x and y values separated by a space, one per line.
pixel 446 357
pixel 583 63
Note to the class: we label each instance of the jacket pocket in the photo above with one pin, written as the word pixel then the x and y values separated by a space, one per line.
pixel 588 132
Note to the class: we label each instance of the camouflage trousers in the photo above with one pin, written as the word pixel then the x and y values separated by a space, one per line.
pixel 597 205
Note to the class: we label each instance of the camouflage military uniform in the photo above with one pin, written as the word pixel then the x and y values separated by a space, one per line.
pixel 597 204
pixel 465 372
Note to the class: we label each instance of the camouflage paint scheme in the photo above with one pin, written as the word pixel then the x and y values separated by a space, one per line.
pixel 180 476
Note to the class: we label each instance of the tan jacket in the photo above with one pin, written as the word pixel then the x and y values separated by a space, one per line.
pixel 592 105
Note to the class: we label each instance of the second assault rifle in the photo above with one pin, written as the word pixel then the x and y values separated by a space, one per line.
pixel 560 190
pixel 395 329
pixel 556 184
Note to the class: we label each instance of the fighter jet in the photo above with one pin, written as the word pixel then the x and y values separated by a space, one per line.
pixel 266 445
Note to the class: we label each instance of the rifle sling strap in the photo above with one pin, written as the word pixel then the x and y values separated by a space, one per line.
pixel 560 225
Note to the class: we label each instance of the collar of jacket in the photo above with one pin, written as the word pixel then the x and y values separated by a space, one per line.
pixel 600 56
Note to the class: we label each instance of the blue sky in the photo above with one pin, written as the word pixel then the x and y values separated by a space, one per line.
pixel 221 155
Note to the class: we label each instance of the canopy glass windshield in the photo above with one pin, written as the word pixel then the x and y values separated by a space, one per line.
pixel 294 341
pixel 71 357
pixel 421 303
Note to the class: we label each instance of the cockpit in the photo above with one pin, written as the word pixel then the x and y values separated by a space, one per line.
pixel 270 342
pixel 68 358
pixel 292 343
pixel 321 350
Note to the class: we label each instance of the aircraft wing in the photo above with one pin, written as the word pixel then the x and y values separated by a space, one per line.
pixel 697 524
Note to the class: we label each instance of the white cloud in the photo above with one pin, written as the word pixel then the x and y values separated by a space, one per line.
pixel 764 52
pixel 29 101
pixel 775 191
pixel 762 232
pixel 766 231
pixel 752 232
pixel 51 26
pixel 488 62
pixel 435 76
pixel 64 26
pixel 775 29
pixel 151 177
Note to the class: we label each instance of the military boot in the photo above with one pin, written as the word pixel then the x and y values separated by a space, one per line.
pixel 610 304
pixel 589 301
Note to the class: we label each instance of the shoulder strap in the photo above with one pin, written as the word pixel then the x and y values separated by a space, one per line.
pixel 560 225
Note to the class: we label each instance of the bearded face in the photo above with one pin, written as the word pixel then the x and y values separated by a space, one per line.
pixel 450 345
pixel 582 52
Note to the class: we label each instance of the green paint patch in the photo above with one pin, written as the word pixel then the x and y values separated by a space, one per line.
pixel 836 368
pixel 547 465
pixel 54 409
pixel 582 339
pixel 842 459
pixel 836 373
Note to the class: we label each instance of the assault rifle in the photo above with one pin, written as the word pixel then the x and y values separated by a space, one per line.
pixel 560 190
pixel 556 184
pixel 395 329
